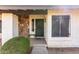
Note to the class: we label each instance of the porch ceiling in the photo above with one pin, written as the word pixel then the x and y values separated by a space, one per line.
pixel 25 12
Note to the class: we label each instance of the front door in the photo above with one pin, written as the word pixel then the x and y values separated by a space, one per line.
pixel 39 28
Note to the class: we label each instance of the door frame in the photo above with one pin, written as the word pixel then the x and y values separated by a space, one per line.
pixel 32 33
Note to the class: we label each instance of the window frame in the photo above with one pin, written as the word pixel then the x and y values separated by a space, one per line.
pixel 68 35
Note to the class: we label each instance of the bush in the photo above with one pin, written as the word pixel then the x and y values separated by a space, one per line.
pixel 16 45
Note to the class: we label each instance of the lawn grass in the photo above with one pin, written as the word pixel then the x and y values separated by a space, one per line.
pixel 16 45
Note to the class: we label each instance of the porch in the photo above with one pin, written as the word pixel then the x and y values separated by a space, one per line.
pixel 21 21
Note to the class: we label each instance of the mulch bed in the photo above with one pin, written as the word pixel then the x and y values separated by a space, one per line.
pixel 64 50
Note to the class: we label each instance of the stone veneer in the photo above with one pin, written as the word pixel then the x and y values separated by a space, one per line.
pixel 23 26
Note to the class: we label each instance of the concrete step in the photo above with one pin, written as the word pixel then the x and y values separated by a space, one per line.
pixel 42 45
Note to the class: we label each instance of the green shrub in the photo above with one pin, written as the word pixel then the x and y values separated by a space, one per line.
pixel 16 45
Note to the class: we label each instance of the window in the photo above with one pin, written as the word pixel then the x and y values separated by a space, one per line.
pixel 60 25
pixel 32 24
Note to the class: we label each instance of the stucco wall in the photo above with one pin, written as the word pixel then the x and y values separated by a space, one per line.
pixel 9 26
pixel 15 25
pixel 73 39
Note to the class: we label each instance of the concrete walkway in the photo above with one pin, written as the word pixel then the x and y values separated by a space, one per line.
pixel 39 49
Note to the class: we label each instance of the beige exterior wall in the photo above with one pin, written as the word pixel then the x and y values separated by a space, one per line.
pixel 9 26
pixel 73 39
pixel 15 25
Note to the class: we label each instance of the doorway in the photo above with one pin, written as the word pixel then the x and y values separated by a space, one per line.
pixel 39 32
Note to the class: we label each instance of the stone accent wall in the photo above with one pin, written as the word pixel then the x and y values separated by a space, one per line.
pixel 23 26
